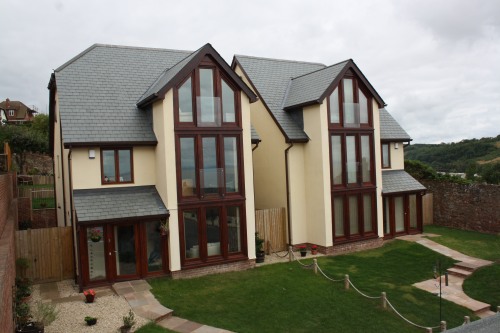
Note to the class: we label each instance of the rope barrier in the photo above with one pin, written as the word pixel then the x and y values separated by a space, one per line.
pixel 328 278
pixel 276 252
pixel 304 265
pixel 371 297
pixel 408 321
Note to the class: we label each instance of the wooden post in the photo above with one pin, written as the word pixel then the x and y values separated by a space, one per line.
pixel 346 282
pixel 498 308
pixel 315 261
pixel 384 300
pixel 443 326
pixel 290 254
pixel 466 320
pixel 429 330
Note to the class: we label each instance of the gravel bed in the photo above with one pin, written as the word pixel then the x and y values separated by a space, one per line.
pixel 108 310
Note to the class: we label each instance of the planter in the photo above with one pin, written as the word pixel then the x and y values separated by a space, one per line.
pixel 303 253
pixel 89 298
pixel 95 239
pixel 91 322
pixel 314 252
pixel 124 329
pixel 261 255
pixel 31 327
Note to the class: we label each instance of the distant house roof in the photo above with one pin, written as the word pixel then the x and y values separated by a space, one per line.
pixel 396 181
pixel 286 85
pixel 390 130
pixel 22 111
pixel 102 91
pixel 118 203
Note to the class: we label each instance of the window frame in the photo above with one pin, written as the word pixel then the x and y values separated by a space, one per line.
pixel 117 165
pixel 12 113
pixel 382 154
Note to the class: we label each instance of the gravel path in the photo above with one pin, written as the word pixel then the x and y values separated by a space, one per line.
pixel 108 310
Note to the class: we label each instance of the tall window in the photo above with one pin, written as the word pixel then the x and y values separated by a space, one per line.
pixel 386 157
pixel 352 160
pixel 116 166
pixel 210 175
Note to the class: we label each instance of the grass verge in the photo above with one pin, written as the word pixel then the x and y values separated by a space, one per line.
pixel 483 285
pixel 288 298
pixel 153 328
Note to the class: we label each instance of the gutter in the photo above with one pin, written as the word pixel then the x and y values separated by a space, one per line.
pixel 78 272
pixel 288 215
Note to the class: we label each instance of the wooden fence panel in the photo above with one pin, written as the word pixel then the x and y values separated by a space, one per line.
pixel 49 251
pixel 427 209
pixel 271 226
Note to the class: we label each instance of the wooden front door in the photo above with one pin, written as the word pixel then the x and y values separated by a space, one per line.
pixel 402 214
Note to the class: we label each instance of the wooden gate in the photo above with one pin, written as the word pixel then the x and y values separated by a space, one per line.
pixel 427 209
pixel 271 226
pixel 49 252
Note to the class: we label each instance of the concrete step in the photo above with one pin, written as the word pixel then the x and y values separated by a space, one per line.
pixel 484 312
pixel 467 266
pixel 459 272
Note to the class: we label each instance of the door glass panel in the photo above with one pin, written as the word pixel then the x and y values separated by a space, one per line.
pixel 367 212
pixel 191 240
pixel 399 214
pixel 365 158
pixel 233 227
pixel 186 102
pixel 209 172
pixel 413 210
pixel 338 215
pixel 206 100
pixel 337 159
pixel 387 225
pixel 334 107
pixel 125 250
pixel 212 219
pixel 153 246
pixel 124 165
pixel 188 173
pixel 353 215
pixel 351 159
pixel 231 164
pixel 95 248
pixel 228 103
pixel 108 165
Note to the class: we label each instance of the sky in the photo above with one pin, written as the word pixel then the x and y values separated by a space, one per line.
pixel 436 64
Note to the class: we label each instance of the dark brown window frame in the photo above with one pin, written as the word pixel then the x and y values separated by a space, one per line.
pixel 117 166
pixel 406 205
pixel 388 144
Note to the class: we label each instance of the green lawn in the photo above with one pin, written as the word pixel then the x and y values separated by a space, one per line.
pixel 288 298
pixel 475 244
pixel 39 203
pixel 153 328
pixel 483 284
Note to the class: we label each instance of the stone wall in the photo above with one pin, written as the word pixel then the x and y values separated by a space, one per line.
pixel 465 206
pixel 8 217
pixel 337 249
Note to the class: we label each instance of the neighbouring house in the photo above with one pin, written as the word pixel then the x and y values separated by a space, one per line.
pixel 16 112
pixel 144 137
pixel 326 140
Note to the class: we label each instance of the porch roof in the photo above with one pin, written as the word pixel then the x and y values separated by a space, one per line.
pixel 118 203
pixel 396 181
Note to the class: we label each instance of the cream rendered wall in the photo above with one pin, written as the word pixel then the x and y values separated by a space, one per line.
pixel 397 156
pixel 378 168
pixel 298 194
pixel 166 178
pixel 248 172
pixel 317 176
pixel 269 157
pixel 86 172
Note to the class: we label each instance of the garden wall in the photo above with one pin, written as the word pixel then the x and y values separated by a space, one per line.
pixel 465 206
pixel 8 216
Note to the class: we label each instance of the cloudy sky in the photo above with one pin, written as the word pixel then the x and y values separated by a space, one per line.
pixel 435 63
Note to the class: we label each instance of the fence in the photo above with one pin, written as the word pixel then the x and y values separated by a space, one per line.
pixel 271 226
pixel 49 251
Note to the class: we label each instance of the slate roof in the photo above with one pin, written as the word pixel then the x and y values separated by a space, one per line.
pixel 390 130
pixel 255 135
pixel 98 90
pixel 270 78
pixel 486 325
pixel 308 88
pixel 118 203
pixel 396 181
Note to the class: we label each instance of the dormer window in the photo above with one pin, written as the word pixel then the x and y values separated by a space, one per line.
pixel 11 113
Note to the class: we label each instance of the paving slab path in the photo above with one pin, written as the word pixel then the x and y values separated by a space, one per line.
pixel 457 274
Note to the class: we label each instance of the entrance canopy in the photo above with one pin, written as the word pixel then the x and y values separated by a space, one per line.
pixel 118 203
pixel 399 181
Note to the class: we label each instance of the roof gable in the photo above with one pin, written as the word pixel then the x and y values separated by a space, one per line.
pixel 171 77
pixel 390 130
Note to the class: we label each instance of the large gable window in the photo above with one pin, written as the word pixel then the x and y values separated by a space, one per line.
pixel 116 166
pixel 349 106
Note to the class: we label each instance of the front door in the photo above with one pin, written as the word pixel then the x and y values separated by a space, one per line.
pixel 125 251
pixel 402 214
